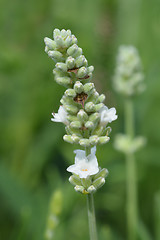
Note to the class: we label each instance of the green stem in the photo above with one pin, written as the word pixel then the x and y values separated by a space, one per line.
pixel 132 208
pixel 91 217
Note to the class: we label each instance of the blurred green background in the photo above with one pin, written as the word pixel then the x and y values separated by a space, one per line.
pixel 33 155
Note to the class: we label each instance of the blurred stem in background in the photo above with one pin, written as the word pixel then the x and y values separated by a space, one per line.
pixel 132 209
pixel 128 81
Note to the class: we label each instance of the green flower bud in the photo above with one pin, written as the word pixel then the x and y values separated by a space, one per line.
pixel 73 49
pixel 94 117
pixel 89 124
pixel 61 66
pixel 78 53
pixel 56 32
pixel 70 62
pixel 68 41
pixel 75 138
pixel 69 32
pixel 82 72
pixel 79 61
pixel 55 55
pixel 99 182
pixel 94 140
pixel 82 115
pixel 74 180
pixel 75 124
pixel 80 189
pixel 88 87
pixel 101 98
pixel 98 107
pixel 63 33
pixel 59 42
pixel 90 69
pixel 70 92
pixel 68 138
pixel 74 39
pixel 63 80
pixel 91 189
pixel 71 109
pixel 86 182
pixel 102 173
pixel 98 130
pixel 85 63
pixel 50 43
pixel 84 142
pixel 103 140
pixel 89 107
pixel 72 118
pixel 78 87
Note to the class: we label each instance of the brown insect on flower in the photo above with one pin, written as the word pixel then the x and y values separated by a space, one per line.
pixel 81 98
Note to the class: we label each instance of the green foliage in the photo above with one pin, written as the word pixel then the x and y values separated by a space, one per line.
pixel 33 156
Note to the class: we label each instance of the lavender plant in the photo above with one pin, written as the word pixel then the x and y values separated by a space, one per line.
pixel 128 81
pixel 83 113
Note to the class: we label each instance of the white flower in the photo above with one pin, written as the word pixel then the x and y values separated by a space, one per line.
pixel 84 166
pixel 61 116
pixel 107 115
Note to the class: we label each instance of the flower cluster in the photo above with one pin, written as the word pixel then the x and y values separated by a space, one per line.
pixel 128 79
pixel 82 109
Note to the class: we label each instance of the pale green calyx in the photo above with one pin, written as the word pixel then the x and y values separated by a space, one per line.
pixel 128 78
pixel 82 109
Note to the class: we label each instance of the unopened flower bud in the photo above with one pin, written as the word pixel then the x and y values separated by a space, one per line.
pixel 70 92
pixel 75 138
pixel 88 87
pixel 75 124
pixel 94 140
pixel 71 109
pixel 78 53
pixel 70 62
pixel 68 138
pixel 55 55
pixel 94 117
pixel 86 182
pixel 74 180
pixel 61 66
pixel 79 61
pixel 98 107
pixel 89 107
pixel 50 43
pixel 56 32
pixel 73 49
pixel 80 189
pixel 102 173
pixel 84 142
pixel 99 182
pixel 82 72
pixel 68 41
pixel 89 124
pixel 101 98
pixel 59 42
pixel 103 140
pixel 63 80
pixel 63 33
pixel 82 115
pixel 78 87
pixel 91 189
pixel 90 69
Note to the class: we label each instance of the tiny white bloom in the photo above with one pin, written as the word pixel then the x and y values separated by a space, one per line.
pixel 107 115
pixel 84 165
pixel 61 116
